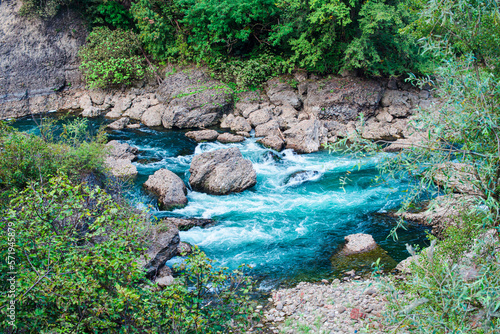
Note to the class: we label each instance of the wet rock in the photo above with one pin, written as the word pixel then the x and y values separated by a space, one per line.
pixel 152 116
pixel 222 172
pixel 203 135
pixel 302 176
pixel 170 189
pixel 306 137
pixel 119 124
pixel 273 141
pixel 358 243
pixel 163 245
pixel 193 100
pixel 184 224
pixel 230 138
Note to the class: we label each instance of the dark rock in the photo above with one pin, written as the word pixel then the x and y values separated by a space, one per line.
pixel 163 246
pixel 302 177
pixel 184 224
pixel 169 187
pixel 222 172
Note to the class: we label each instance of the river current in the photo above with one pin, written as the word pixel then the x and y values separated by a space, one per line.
pixel 287 227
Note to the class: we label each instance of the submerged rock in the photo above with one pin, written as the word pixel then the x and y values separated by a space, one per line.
pixel 302 176
pixel 169 187
pixel 202 135
pixel 222 172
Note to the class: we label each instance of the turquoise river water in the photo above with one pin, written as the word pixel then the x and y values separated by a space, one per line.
pixel 286 227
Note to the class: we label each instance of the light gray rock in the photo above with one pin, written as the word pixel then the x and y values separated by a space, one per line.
pixel 121 168
pixel 170 189
pixel 358 243
pixel 280 92
pixel 121 150
pixel 152 116
pixel 164 281
pixel 273 141
pixel 236 124
pixel 222 172
pixel 271 128
pixel 230 138
pixel 119 124
pixel 260 116
pixel 139 106
pixel 203 135
pixel 306 137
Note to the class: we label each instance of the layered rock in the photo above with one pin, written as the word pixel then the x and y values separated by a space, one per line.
pixel 193 100
pixel 221 172
pixel 170 189
pixel 306 137
pixel 163 245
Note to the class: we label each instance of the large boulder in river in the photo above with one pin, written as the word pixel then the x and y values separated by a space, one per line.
pixel 121 150
pixel 193 100
pixel 170 189
pixel 358 243
pixel 222 172
pixel 306 137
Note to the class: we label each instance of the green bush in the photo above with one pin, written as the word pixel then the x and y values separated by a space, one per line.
pixel 44 9
pixel 454 287
pixel 75 253
pixel 111 58
pixel 28 157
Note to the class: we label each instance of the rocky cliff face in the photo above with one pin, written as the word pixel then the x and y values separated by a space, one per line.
pixel 37 59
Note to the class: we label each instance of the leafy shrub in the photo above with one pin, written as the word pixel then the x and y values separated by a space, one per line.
pixel 76 267
pixel 453 288
pixel 113 14
pixel 110 58
pixel 249 72
pixel 29 157
pixel 44 9
pixel 159 30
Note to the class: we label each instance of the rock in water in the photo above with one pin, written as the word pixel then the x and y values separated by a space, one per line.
pixel 119 159
pixel 302 177
pixel 202 135
pixel 169 187
pixel 306 137
pixel 119 124
pixel 230 138
pixel 222 172
pixel 358 243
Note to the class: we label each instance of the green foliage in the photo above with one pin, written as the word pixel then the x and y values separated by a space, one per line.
pixel 159 30
pixel 447 291
pixel 28 157
pixel 247 73
pixel 44 9
pixel 111 58
pixel 380 49
pixel 113 14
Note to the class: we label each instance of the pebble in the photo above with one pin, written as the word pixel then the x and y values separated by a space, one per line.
pixel 326 307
